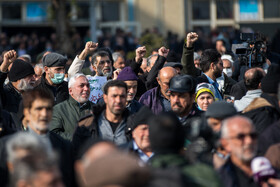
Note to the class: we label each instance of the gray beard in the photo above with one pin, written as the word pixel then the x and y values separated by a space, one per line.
pixel 24 86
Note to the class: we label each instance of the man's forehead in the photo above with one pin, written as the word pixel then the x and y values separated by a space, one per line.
pixel 130 83
pixel 81 80
pixel 102 58
pixel 240 127
pixel 41 102
pixel 116 89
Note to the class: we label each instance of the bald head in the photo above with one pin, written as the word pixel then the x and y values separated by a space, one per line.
pixel 164 77
pixel 253 78
pixel 167 72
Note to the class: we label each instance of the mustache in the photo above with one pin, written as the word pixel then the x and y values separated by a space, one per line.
pixel 177 104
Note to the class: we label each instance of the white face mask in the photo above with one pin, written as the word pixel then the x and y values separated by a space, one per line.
pixel 228 71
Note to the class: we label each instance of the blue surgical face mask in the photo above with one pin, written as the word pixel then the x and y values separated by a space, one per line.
pixel 58 78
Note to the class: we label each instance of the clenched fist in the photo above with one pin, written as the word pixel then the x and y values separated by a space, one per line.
pixel 191 38
pixel 163 51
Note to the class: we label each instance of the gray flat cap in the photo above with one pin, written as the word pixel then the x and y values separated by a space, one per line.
pixel 54 60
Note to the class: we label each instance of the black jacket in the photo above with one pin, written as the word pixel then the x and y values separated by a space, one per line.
pixel 9 95
pixel 228 175
pixel 60 92
pixel 238 90
pixel 269 137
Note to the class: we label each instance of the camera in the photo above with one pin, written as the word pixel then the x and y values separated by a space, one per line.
pixel 251 51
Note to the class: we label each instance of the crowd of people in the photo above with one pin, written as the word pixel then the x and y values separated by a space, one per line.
pixel 202 120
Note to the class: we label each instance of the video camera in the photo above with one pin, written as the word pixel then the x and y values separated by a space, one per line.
pixel 250 53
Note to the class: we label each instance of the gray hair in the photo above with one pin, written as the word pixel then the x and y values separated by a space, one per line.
pixel 41 66
pixel 28 167
pixel 26 141
pixel 226 122
pixel 116 55
pixel 74 78
pixel 149 59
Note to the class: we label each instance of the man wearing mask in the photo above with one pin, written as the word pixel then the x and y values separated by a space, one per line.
pixel 225 81
pixel 53 78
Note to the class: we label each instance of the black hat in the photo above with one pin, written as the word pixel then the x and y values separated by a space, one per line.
pixel 20 69
pixel 270 82
pixel 140 117
pixel 182 83
pixel 174 65
pixel 166 133
pixel 54 60
pixel 220 110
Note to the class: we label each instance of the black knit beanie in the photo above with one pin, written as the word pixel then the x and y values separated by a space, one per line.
pixel 20 69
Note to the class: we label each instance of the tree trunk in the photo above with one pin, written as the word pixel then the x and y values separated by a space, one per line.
pixel 62 27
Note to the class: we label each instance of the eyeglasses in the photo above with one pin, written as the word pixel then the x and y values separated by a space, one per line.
pixel 241 136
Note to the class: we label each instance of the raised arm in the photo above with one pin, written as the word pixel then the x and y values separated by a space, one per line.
pixel 151 78
pixel 136 64
pixel 78 63
pixel 187 56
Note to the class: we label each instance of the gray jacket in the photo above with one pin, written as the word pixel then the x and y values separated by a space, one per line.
pixel 106 133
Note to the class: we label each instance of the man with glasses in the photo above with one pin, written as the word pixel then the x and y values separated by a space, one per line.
pixel 100 61
pixel 239 139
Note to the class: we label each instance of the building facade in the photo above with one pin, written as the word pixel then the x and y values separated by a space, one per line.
pixel 177 16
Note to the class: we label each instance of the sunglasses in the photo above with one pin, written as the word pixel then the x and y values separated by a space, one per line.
pixel 241 136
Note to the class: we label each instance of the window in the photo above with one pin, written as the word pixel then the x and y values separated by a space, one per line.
pixel 110 11
pixel 271 8
pixel 201 9
pixel 11 11
pixel 36 11
pixel 83 10
pixel 224 9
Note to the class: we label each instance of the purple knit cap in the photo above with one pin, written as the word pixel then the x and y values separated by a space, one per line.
pixel 127 74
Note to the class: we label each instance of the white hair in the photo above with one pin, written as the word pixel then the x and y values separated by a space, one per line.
pixel 40 65
pixel 116 55
pixel 74 78
pixel 226 122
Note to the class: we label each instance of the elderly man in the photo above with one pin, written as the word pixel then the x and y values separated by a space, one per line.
pixel 21 77
pixel 119 62
pixel 157 99
pixel 182 94
pixel 138 129
pixel 53 78
pixel 108 121
pixel 239 139
pixel 67 114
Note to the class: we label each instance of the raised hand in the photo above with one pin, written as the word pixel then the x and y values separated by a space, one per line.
pixel 163 51
pixel 191 38
pixel 89 48
pixel 140 53
pixel 9 58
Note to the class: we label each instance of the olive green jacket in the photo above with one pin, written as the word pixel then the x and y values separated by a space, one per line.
pixel 66 116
